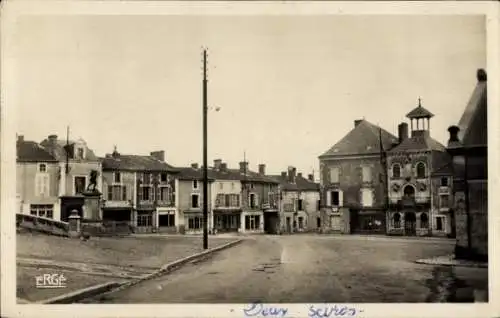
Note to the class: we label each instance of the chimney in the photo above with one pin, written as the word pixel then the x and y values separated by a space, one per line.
pixel 20 138
pixel 357 122
pixel 481 75
pixel 52 139
pixel 402 132
pixel 299 175
pixel 217 164
pixel 283 174
pixel 291 174
pixel 454 141
pixel 310 177
pixel 159 155
pixel 243 166
pixel 194 165
pixel 262 169
pixel 223 166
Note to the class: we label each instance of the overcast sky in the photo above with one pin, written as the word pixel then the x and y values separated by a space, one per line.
pixel 288 88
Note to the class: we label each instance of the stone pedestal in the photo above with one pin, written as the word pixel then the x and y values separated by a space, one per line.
pixel 74 223
pixel 92 205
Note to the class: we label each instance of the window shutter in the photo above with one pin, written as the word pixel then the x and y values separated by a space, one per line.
pixel 38 185
pixel 46 185
pixel 328 198
pixel 341 198
pixel 140 193
pixel 256 199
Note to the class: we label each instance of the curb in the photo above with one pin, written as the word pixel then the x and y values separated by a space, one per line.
pixel 165 269
pixel 81 293
pixel 451 263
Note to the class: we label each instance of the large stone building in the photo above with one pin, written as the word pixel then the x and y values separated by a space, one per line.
pixel 353 193
pixel 468 144
pixel 299 198
pixel 413 183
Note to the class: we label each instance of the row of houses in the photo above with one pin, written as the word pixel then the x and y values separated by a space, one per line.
pixel 53 179
pixel 371 181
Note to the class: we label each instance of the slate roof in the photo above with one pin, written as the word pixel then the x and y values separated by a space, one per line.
pixel 363 139
pixel 57 150
pixel 252 176
pixel 189 173
pixel 420 141
pixel 473 123
pixel 30 151
pixel 135 163
pixel 301 183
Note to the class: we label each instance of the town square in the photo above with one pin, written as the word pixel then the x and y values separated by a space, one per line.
pixel 251 160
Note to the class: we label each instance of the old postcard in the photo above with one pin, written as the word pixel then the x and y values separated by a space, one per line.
pixel 249 159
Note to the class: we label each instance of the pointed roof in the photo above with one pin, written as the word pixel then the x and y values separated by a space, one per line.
pixel 419 112
pixel 473 123
pixel 362 140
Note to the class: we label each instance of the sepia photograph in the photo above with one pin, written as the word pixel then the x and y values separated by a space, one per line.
pixel 262 161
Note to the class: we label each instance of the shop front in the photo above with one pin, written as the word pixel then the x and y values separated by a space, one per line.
pixel 227 220
pixel 367 221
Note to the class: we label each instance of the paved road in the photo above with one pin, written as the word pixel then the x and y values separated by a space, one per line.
pixel 300 268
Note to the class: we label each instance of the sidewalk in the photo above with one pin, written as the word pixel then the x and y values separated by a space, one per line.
pixel 130 272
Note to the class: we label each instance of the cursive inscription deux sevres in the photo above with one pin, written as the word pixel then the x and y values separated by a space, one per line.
pixel 259 309
pixel 327 311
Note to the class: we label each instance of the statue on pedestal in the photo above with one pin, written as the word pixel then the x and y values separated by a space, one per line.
pixel 92 187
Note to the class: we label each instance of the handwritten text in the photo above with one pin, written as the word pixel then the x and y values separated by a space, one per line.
pixel 261 310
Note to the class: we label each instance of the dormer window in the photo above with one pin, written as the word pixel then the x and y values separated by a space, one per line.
pixel 118 177
pixel 421 170
pixel 42 167
pixel 80 153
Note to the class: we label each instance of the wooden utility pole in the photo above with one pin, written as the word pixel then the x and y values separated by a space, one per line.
pixel 205 161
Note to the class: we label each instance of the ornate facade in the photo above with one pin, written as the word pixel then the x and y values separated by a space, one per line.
pixel 413 182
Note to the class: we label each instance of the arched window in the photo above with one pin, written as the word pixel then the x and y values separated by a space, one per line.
pixel 396 220
pixel 420 170
pixel 424 221
pixel 396 171
pixel 409 191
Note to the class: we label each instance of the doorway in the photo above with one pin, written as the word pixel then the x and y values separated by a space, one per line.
pixel 410 223
pixel 271 222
